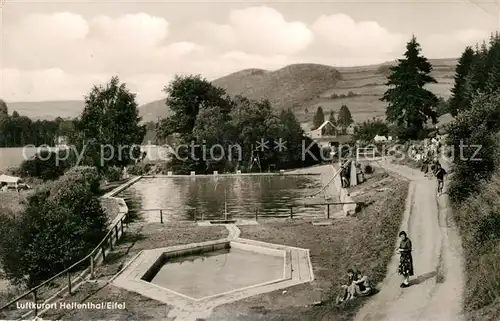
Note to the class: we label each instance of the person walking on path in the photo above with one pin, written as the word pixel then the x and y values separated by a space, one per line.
pixel 406 260
pixel 440 172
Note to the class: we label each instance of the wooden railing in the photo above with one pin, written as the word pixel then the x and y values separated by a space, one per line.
pixel 200 217
pixel 99 252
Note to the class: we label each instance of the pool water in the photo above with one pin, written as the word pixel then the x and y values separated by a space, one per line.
pixel 184 198
pixel 217 272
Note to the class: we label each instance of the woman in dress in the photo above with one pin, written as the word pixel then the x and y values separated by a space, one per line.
pixel 406 260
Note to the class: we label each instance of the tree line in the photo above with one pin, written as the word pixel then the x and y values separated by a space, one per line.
pixel 474 186
pixel 208 116
pixel 18 131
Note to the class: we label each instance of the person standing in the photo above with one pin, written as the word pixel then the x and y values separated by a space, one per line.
pixel 405 260
pixel 440 172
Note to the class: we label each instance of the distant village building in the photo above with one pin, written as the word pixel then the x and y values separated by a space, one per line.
pixel 61 141
pixel 379 139
pixel 327 129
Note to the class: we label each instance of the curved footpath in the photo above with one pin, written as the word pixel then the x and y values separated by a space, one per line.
pixel 436 291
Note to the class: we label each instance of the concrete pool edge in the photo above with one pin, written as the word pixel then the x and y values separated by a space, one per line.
pixel 130 279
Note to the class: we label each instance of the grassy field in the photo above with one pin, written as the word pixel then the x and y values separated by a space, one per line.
pixel 304 87
pixel 365 240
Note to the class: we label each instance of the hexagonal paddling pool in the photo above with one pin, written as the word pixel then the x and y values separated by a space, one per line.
pixel 212 273
pixel 206 272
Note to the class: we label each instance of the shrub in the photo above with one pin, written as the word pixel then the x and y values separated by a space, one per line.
pixel 47 165
pixel 113 174
pixel 86 175
pixel 479 221
pixel 58 227
pixel 474 127
pixel 368 169
pixel 141 168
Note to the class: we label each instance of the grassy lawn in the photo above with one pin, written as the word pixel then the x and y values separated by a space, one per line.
pixel 12 200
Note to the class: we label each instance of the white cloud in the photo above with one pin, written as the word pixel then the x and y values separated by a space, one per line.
pixel 451 45
pixel 131 31
pixel 61 55
pixel 258 30
pixel 345 38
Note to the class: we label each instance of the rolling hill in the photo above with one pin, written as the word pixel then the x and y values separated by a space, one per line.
pixel 48 109
pixel 301 87
pixel 305 87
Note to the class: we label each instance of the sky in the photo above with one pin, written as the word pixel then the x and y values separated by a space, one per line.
pixel 57 50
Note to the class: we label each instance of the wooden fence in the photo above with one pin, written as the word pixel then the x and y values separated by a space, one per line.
pixel 292 214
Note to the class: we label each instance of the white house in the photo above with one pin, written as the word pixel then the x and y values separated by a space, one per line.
pixel 379 139
pixel 7 181
pixel 321 131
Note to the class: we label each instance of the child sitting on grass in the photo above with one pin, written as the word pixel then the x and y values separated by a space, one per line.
pixel 358 286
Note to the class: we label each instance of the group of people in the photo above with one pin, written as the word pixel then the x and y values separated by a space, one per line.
pixel 358 284
pixel 428 155
pixel 434 168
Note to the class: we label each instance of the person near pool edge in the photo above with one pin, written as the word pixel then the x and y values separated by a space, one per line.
pixel 406 260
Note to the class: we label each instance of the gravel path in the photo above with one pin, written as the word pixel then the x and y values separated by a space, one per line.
pixel 436 293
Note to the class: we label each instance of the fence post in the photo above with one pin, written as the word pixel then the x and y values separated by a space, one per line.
pixel 291 212
pixel 161 216
pixel 121 225
pixel 116 232
pixel 92 266
pixel 256 214
pixel 69 283
pixel 36 299
pixel 328 211
pixel 103 253
pixel 111 240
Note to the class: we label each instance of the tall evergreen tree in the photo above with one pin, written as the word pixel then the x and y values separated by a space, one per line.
pixel 410 105
pixel 329 129
pixel 319 117
pixel 344 118
pixel 493 62
pixel 460 100
pixel 3 108
pixel 479 73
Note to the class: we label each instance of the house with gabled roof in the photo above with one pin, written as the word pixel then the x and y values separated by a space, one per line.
pixel 327 129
